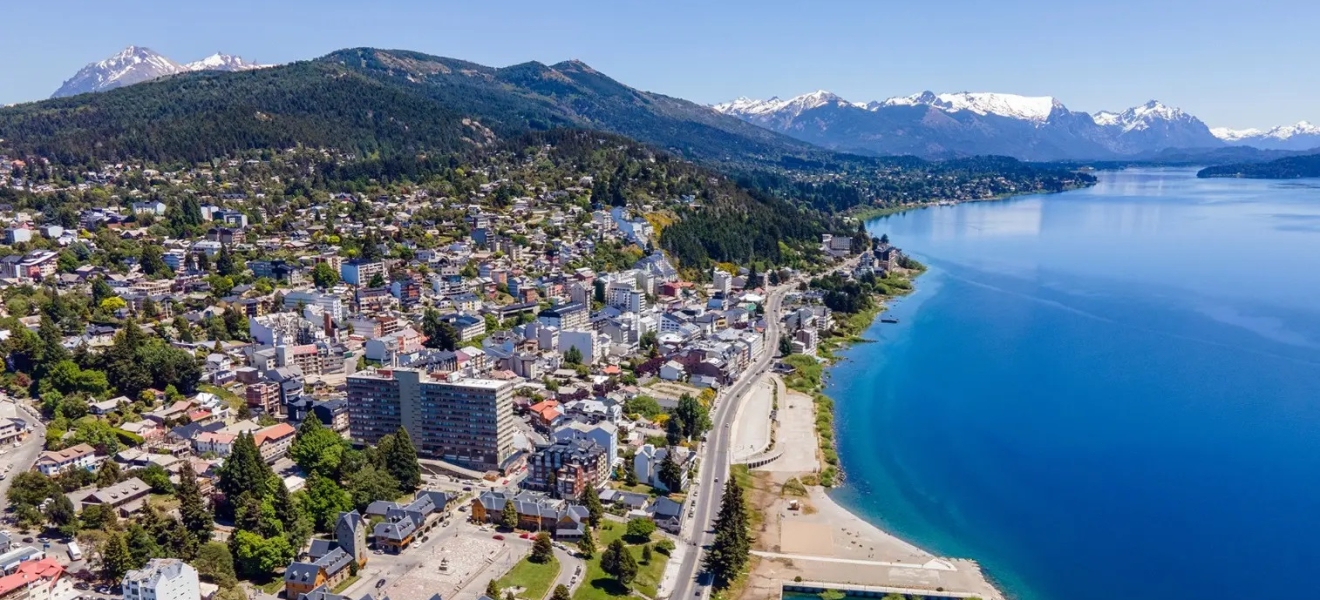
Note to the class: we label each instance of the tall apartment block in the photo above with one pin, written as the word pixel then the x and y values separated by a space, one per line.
pixel 467 422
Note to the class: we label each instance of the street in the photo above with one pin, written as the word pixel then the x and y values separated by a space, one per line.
pixel 715 454
pixel 16 460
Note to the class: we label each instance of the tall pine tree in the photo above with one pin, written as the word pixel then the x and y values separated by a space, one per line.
pixel 196 517
pixel 401 461
pixel 244 471
pixel 729 552
pixel 590 498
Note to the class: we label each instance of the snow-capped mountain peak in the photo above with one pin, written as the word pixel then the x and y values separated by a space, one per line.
pixel 1284 132
pixel 222 62
pixel 1105 118
pixel 1233 135
pixel 1036 109
pixel 1143 116
pixel 772 107
pixel 136 64
pixel 131 65
pixel 1299 136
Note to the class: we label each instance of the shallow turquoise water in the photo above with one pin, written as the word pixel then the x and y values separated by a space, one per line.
pixel 1108 393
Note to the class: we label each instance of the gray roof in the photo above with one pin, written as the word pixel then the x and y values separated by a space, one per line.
pixel 320 548
pixel 381 508
pixel 663 508
pixel 302 572
pixel 335 561
pixel 156 570
pixel 396 531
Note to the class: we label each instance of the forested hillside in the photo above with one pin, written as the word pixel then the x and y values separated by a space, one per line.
pixel 395 116
pixel 1293 167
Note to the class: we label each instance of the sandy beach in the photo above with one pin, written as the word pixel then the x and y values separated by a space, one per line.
pixel 804 533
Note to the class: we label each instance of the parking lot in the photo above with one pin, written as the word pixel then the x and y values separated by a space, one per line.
pixel 471 557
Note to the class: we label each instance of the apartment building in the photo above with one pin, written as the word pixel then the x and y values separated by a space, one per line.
pixel 468 422
pixel 162 579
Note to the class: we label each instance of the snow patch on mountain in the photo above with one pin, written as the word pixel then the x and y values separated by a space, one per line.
pixel 1282 132
pixel 790 108
pixel 222 62
pixel 1036 109
pixel 136 64
pixel 1233 135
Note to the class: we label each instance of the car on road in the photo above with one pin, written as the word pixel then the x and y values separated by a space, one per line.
pixel 380 584
pixel 497 536
pixel 525 536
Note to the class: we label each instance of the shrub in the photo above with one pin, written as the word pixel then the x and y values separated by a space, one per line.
pixel 640 530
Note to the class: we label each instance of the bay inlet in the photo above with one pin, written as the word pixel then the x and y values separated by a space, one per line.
pixel 1110 392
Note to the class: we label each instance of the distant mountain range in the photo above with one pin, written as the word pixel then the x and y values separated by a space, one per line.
pixel 136 64
pixel 1301 136
pixel 373 101
pixel 974 123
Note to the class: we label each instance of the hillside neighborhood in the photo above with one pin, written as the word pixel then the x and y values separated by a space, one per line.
pixel 396 393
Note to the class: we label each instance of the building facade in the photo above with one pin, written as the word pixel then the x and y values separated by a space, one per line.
pixel 162 579
pixel 468 422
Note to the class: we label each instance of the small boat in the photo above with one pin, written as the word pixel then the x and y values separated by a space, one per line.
pixel 888 320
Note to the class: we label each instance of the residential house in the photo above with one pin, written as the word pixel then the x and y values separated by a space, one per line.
pixel 647 461
pixel 56 462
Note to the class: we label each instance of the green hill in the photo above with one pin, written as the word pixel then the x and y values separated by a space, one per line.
pixel 1292 167
pixel 370 100
pixel 401 104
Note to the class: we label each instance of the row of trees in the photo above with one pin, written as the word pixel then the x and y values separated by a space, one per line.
pixel 729 552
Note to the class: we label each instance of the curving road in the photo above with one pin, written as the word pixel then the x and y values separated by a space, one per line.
pixel 715 455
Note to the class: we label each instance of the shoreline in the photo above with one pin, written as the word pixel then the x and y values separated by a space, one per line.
pixel 821 539
pixel 872 213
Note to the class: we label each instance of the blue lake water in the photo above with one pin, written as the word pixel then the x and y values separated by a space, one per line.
pixel 1108 393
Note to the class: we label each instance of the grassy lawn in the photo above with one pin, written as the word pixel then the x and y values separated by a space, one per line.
pixel 230 398
pixel 600 586
pixel 640 488
pixel 534 578
pixel 272 587
pixel 343 585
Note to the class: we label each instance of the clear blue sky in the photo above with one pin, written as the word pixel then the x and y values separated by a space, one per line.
pixel 1239 64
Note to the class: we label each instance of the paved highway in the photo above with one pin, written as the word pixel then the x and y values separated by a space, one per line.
pixel 715 455
pixel 16 460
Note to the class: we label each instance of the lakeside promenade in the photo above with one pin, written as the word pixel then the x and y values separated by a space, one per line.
pixel 803 533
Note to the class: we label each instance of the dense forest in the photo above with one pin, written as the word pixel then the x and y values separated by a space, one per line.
pixel 703 216
pixel 1293 167
pixel 377 118
pixel 370 101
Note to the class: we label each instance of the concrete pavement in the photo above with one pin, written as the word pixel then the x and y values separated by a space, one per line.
pixel 715 454
pixel 16 460
pixel 751 426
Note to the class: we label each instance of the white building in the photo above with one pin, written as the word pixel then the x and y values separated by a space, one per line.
pixel 162 579
pixel 647 461
pixel 55 462
pixel 330 303
pixel 585 341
